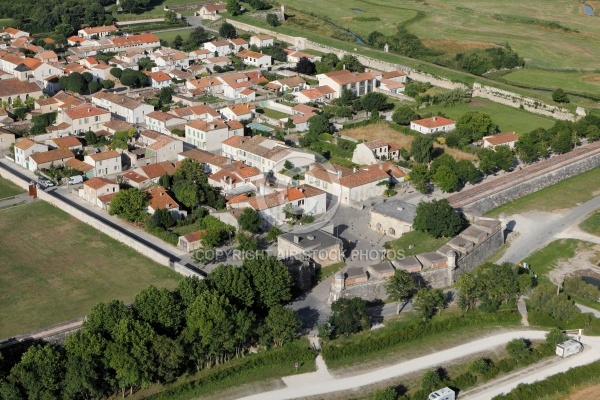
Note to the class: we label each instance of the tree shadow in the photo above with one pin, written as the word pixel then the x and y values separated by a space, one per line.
pixel 308 317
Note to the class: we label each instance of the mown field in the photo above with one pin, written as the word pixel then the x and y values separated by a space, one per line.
pixel 54 268
pixel 508 119
pixel 581 82
pixel 171 35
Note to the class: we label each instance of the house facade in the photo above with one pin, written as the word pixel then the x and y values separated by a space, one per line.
pixel 106 163
pixel 431 125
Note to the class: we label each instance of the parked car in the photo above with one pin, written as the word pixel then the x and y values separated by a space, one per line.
pixel 45 182
pixel 74 180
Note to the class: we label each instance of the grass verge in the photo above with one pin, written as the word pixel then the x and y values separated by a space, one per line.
pixel 422 242
pixel 9 189
pixel 253 368
pixel 580 189
pixel 544 260
pixel 591 224
pixel 54 268
pixel 328 271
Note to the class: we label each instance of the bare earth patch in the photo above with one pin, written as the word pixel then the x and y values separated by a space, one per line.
pixel 583 260
pixel 379 131
pixel 591 78
pixel 456 153
pixel 585 393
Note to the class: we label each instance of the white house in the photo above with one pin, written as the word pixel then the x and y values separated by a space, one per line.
pixel 192 113
pixel 238 112
pixel 236 178
pixel 359 84
pixel 222 47
pixel 106 163
pixel 131 110
pixel 159 79
pixel 211 11
pixel 261 41
pixel 12 89
pixel 99 191
pixel 26 147
pixel 85 117
pixel 208 135
pixel 268 155
pixel 319 94
pixel 97 32
pixel 160 147
pixel 431 125
pixel 254 58
pixel 371 152
pixel 161 121
pixel 508 139
pixel 304 200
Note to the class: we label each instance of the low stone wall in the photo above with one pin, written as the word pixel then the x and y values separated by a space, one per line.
pixel 478 256
pixel 517 101
pixel 370 291
pixel 14 179
pixel 298 42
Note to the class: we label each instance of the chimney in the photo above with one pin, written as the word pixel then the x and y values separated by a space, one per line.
pixel 310 237
pixel 354 169
pixel 434 118
pixel 381 166
pixel 296 239
pixel 400 208
pixel 162 194
pixel 339 174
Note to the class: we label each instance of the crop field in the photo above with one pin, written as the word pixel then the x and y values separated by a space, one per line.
pixel 54 268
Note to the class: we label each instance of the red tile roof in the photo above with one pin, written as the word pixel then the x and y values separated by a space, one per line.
pixel 144 38
pixel 66 142
pixel 51 155
pixel 79 165
pixel 501 138
pixel 105 155
pixel 433 122
pixel 159 198
pixel 97 183
pixel 85 111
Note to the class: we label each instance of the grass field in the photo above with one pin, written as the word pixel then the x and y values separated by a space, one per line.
pixel 591 224
pixel 545 259
pixel 581 82
pixel 563 195
pixel 156 10
pixel 8 189
pixel 54 268
pixel 171 35
pixel 269 112
pixel 508 119
pixel 421 242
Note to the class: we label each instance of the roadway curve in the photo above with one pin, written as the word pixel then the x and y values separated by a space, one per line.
pixel 321 382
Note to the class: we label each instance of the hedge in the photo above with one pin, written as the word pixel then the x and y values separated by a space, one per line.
pixel 386 339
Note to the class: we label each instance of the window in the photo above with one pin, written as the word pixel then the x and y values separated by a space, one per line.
pixel 87 120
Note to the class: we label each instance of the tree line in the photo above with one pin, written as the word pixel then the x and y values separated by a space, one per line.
pixel 162 335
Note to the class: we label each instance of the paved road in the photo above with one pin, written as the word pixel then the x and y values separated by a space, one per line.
pixel 588 310
pixel 543 231
pixel 320 382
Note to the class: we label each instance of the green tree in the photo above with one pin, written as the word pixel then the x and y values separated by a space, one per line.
pixel 399 288
pixel 421 149
pixel 403 115
pixel 94 87
pixel 169 356
pixel 40 372
pixel 129 204
pixel 90 138
pixel 165 181
pixel 246 242
pixel 349 316
pixel 116 72
pixel 427 302
pixel 431 381
pixel 86 374
pixel 560 96
pixel 108 84
pixel 235 283
pixel 165 95
pixel 178 41
pixel 305 66
pixel 385 394
pixel 419 177
pixel 186 193
pixel 160 308
pixel 282 325
pixel 562 142
pixel 350 63
pixel 146 64
pixel 479 367
pixel 20 113
pixel 446 179
pixel 438 218
pixel 233 8
pixel 273 20
pixel 473 125
pixel 466 289
pixel 227 30
pixel 318 124
pixel 466 172
pixel 504 158
pixel 170 16
pixel 372 101
pixel 250 220
pixel 198 36
pixel 273 233
pixel 271 279
pixel 518 350
pixel 555 336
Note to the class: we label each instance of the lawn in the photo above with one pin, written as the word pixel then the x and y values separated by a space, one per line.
pixel 155 11
pixel 54 268
pixel 544 260
pixel 272 113
pixel 422 243
pixel 580 189
pixel 171 35
pixel 328 271
pixel 580 82
pixel 9 189
pixel 591 224
pixel 509 119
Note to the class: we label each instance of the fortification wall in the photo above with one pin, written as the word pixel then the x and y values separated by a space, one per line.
pixel 518 101
pixel 521 189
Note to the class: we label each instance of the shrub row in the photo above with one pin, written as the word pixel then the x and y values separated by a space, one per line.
pixel 361 345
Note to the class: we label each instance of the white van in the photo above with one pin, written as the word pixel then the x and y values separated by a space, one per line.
pixel 568 348
pixel 443 394
pixel 74 180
